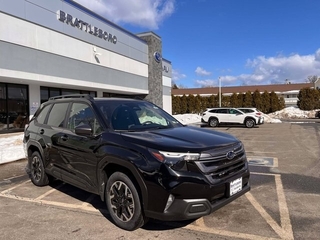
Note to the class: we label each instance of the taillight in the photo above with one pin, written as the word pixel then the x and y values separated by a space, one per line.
pixel 258 114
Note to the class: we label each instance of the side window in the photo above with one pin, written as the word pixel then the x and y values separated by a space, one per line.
pixel 43 114
pixel 234 111
pixel 213 111
pixel 81 114
pixel 224 111
pixel 57 114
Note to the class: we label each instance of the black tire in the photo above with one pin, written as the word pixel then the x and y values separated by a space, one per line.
pixel 249 123
pixel 37 173
pixel 123 202
pixel 213 122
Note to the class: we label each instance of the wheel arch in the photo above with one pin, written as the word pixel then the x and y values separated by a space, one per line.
pixel 120 165
pixel 32 147
pixel 250 118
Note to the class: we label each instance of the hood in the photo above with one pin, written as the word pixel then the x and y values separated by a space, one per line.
pixel 180 139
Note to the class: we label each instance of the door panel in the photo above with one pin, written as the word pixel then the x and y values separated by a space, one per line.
pixel 79 152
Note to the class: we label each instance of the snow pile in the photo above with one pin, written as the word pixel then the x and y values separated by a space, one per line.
pixel 292 113
pixel 11 148
pixel 268 119
pixel 188 118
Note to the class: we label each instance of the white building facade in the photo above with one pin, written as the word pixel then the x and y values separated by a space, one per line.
pixel 50 48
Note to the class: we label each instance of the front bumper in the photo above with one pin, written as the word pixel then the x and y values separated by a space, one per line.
pixel 184 209
pixel 192 208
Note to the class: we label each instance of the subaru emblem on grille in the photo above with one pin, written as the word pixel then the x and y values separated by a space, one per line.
pixel 230 155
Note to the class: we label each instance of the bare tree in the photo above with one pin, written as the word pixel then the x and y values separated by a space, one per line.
pixel 312 78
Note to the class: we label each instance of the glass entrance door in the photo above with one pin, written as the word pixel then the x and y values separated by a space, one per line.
pixel 13 106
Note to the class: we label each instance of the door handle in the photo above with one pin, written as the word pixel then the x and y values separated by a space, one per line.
pixel 42 131
pixel 64 138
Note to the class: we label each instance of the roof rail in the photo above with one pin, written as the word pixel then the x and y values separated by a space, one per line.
pixel 86 96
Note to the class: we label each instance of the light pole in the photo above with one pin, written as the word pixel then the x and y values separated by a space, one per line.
pixel 219 92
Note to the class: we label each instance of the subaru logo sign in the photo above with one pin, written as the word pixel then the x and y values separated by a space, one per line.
pixel 230 155
pixel 157 56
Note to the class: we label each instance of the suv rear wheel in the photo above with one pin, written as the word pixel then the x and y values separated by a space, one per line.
pixel 37 172
pixel 213 122
pixel 249 123
pixel 123 202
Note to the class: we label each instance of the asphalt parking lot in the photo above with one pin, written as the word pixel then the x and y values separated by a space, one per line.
pixel 284 201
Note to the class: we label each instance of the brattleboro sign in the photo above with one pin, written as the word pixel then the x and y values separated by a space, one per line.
pixel 84 26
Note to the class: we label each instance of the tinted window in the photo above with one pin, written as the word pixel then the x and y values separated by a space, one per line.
pixel 81 114
pixel 234 111
pixel 213 111
pixel 135 116
pixel 222 111
pixel 57 114
pixel 43 114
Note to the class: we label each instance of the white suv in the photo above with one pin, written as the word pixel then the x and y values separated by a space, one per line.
pixel 253 111
pixel 215 116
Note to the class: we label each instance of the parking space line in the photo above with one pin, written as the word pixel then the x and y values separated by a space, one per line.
pixel 283 230
pixel 12 188
pixel 264 214
pixel 283 208
pixel 52 203
pixel 49 192
pixel 227 233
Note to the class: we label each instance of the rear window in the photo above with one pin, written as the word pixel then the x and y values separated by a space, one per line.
pixel 222 111
pixel 58 114
pixel 43 114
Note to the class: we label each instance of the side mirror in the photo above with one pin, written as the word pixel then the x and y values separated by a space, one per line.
pixel 83 130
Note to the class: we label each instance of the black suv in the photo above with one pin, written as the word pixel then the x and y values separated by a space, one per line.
pixel 140 160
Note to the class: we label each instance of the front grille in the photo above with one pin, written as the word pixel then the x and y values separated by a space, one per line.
pixel 215 164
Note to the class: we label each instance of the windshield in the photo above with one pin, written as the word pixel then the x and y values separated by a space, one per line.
pixel 136 116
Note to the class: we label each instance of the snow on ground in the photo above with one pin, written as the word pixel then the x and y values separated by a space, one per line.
pixel 188 118
pixel 293 113
pixel 11 147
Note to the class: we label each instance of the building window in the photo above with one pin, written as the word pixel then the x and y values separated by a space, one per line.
pixel 14 106
pixel 48 92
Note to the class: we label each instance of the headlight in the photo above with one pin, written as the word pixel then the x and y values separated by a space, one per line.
pixel 173 158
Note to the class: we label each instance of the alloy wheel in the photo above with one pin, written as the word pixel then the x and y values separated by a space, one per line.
pixel 122 201
pixel 36 170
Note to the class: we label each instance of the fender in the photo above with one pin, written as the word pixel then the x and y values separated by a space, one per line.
pixel 122 158
pixel 249 117
pixel 36 144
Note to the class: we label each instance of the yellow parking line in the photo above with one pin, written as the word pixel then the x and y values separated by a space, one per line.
pixel 264 214
pixel 10 189
pixel 227 233
pixel 52 203
pixel 283 208
pixel 49 192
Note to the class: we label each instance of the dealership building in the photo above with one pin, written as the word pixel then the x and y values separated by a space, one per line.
pixel 58 47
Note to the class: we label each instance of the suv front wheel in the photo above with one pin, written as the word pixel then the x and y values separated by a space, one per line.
pixel 249 123
pixel 213 122
pixel 123 202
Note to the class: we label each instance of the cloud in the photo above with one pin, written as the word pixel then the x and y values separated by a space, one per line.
pixel 176 75
pixel 143 13
pixel 201 72
pixel 206 83
pixel 273 70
